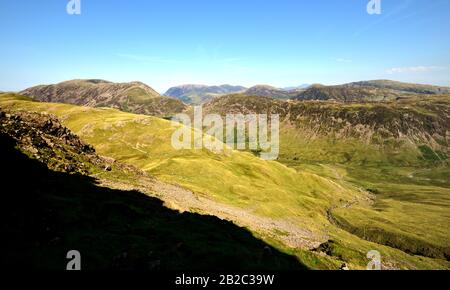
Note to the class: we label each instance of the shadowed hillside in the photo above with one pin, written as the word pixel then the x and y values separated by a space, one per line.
pixel 47 213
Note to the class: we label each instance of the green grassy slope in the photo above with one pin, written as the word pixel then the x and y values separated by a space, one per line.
pixel 268 189
pixel 407 172
pixel 397 151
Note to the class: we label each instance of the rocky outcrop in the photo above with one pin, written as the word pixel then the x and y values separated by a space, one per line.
pixel 43 137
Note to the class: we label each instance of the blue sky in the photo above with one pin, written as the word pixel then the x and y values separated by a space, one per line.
pixel 170 42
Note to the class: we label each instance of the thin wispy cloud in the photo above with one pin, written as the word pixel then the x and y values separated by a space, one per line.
pixel 414 69
pixel 398 10
pixel 419 14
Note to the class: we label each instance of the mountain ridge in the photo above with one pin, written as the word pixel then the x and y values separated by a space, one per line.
pixel 133 97
pixel 374 90
pixel 402 86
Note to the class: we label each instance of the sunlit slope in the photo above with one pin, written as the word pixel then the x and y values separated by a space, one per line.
pixel 408 174
pixel 238 178
pixel 398 151
pixel 298 197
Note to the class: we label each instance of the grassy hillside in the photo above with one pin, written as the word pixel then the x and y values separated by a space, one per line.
pixel 397 151
pixel 297 200
pixel 405 132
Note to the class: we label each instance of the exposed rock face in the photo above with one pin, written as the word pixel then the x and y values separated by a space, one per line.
pixel 134 97
pixel 374 124
pixel 44 138
pixel 425 120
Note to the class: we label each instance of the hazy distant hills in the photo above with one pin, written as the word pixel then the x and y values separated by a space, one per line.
pixel 135 97
pixel 199 94
pixel 364 91
pixel 377 90
pixel 269 91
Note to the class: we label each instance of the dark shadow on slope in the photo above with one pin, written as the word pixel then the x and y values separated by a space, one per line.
pixel 45 214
